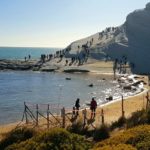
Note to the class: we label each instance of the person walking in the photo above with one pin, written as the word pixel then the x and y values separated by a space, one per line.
pixel 93 107
pixel 77 105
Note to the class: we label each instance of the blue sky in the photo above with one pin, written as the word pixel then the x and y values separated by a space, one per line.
pixel 56 23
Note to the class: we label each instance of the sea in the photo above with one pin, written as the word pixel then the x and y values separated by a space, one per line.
pixel 22 52
pixel 17 87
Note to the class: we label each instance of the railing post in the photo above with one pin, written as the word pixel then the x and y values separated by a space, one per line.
pixel 122 106
pixel 84 112
pixel 147 101
pixel 37 115
pixel 63 117
pixel 102 115
pixel 25 111
pixel 48 116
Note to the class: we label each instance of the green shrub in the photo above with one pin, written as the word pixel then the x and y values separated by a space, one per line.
pixel 16 136
pixel 101 133
pixel 119 123
pixel 138 137
pixel 79 143
pixel 137 118
pixel 148 116
pixel 141 141
pixel 54 139
pixel 78 128
pixel 116 147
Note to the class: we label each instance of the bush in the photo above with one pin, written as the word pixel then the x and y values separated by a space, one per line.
pixel 78 128
pixel 101 133
pixel 118 124
pixel 53 139
pixel 141 140
pixel 16 136
pixel 137 118
pixel 137 137
pixel 148 116
pixel 117 147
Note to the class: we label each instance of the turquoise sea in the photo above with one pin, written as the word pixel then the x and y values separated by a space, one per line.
pixel 21 52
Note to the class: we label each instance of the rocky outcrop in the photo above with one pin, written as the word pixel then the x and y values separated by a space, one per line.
pixel 130 40
pixel 16 65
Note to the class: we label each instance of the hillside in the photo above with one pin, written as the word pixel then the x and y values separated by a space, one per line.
pixel 136 138
pixel 130 40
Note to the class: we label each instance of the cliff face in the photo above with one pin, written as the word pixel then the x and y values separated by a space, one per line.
pixel 138 33
pixel 132 39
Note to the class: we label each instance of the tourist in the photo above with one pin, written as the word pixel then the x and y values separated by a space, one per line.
pixel 93 107
pixel 29 57
pixel 73 112
pixel 66 62
pixel 77 105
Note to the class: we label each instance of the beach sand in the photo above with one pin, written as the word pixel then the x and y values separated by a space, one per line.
pixel 112 111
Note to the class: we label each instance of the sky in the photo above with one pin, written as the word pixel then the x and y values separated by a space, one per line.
pixel 57 23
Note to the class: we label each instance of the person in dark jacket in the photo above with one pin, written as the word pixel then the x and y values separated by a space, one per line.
pixel 93 107
pixel 77 105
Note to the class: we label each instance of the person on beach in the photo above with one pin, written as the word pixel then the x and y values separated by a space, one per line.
pixel 93 107
pixel 77 105
pixel 73 112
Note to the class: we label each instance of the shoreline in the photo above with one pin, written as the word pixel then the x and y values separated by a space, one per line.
pixel 125 98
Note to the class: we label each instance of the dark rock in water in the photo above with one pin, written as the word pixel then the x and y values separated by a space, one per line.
pixel 35 69
pixel 128 87
pixel 75 70
pixel 68 78
pixel 90 85
pixel 47 70
pixel 110 98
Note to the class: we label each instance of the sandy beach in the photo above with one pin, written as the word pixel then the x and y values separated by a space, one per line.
pixel 112 111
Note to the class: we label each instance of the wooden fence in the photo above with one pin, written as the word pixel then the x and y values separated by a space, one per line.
pixel 54 115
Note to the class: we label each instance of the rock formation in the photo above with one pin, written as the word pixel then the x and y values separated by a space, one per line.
pixel 130 40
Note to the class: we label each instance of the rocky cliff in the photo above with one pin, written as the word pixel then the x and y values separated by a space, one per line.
pixel 132 40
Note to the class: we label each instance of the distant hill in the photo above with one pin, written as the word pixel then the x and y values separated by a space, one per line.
pixel 131 40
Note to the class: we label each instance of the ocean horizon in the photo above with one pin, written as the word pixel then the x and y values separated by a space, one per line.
pixel 22 52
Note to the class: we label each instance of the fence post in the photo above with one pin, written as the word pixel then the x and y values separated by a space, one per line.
pixel 37 115
pixel 63 117
pixel 102 115
pixel 147 101
pixel 25 111
pixel 84 112
pixel 48 116
pixel 122 105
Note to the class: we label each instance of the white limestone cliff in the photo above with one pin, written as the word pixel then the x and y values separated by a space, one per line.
pixel 132 39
